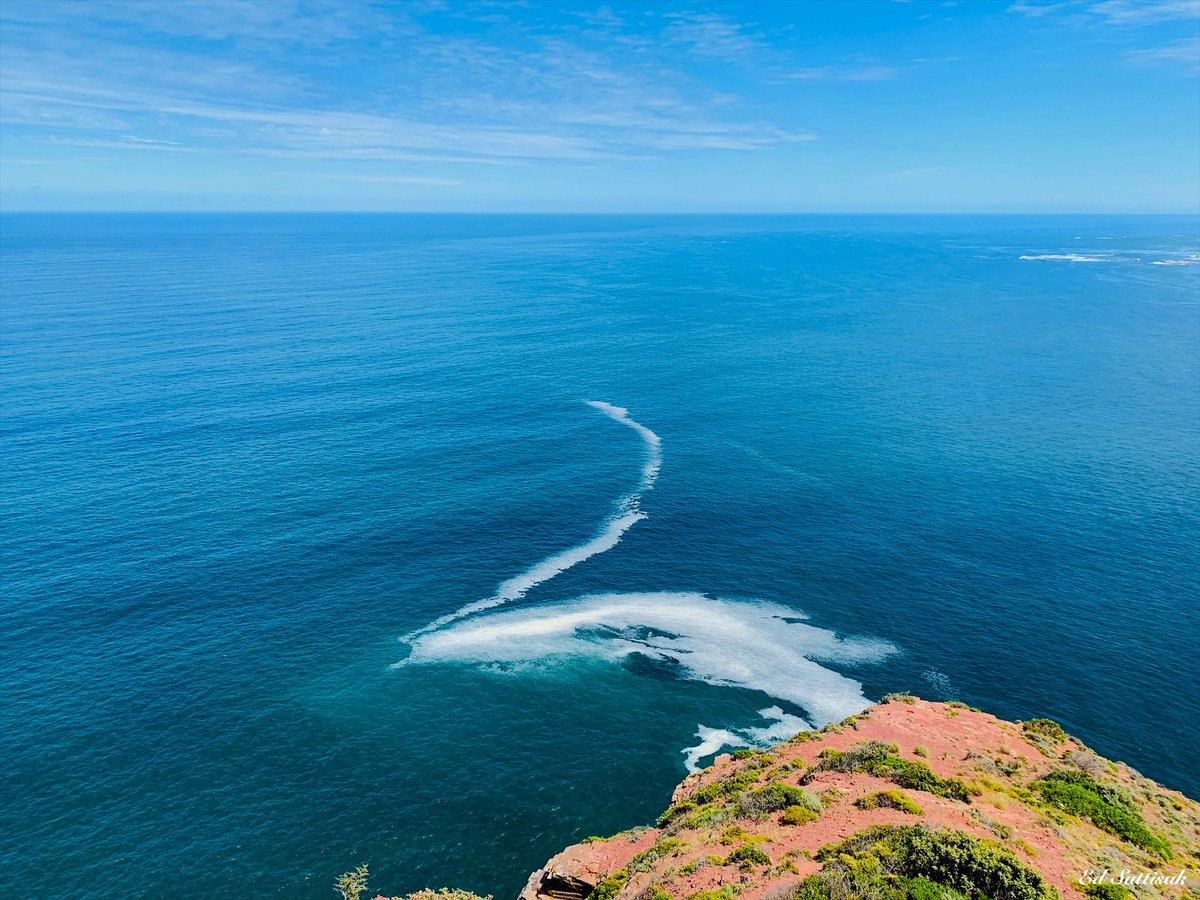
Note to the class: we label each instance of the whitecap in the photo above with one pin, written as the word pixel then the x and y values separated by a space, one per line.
pixel 1067 257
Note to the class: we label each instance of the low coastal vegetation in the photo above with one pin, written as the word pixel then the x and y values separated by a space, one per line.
pixel 881 759
pixel 1108 808
pixel 889 862
pixel 351 885
pixel 1045 734
pixel 610 886
pixel 889 799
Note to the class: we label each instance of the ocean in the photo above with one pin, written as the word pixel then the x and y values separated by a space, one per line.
pixel 439 542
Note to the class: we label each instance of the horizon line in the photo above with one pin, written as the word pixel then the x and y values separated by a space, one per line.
pixel 537 212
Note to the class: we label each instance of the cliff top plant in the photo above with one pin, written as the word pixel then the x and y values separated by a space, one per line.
pixel 917 863
pixel 890 799
pixel 879 759
pixel 1078 793
pixel 351 884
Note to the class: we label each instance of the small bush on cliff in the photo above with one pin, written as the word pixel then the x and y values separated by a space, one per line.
pixel 798 815
pixel 445 894
pixel 773 798
pixel 1045 734
pixel 879 759
pixel 915 863
pixel 609 886
pixel 1045 728
pixel 889 800
pixel 663 848
pixel 734 784
pixel 1107 891
pixel 722 893
pixel 1110 810
pixel 747 856
pixel 351 884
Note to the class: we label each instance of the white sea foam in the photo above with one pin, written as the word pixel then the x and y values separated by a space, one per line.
pixel 1067 257
pixel 653 441
pixel 940 685
pixel 754 645
pixel 628 513
pixel 713 740
pixel 1186 261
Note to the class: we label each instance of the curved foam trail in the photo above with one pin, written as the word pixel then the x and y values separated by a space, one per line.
pixel 758 646
pixel 628 513
pixel 653 441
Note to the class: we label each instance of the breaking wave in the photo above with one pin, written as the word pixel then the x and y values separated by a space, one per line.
pixel 628 513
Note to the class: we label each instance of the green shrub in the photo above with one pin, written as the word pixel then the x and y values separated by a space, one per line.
pixel 916 863
pixel 744 753
pixel 776 797
pixel 674 812
pixel 890 799
pixel 798 815
pixel 723 893
pixel 351 884
pixel 662 848
pixel 1079 794
pixel 728 787
pixel 748 855
pixel 609 886
pixel 1107 891
pixel 899 698
pixel 878 758
pixel 1045 728
pixel 857 758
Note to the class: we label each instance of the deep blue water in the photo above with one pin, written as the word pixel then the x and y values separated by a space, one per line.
pixel 244 455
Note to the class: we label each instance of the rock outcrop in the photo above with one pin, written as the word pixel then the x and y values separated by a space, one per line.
pixel 910 799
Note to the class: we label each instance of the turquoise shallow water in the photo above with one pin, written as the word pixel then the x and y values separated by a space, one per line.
pixel 245 455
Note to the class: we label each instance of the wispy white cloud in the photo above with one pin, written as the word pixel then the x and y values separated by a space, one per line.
pixel 383 179
pixel 844 73
pixel 1185 54
pixel 446 98
pixel 1146 12
pixel 1038 10
pixel 1124 22
pixel 1114 12
pixel 125 142
pixel 709 34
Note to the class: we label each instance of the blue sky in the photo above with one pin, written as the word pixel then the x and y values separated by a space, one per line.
pixel 1034 105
